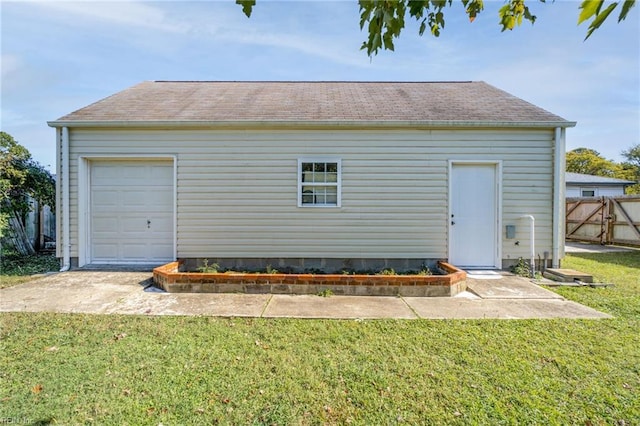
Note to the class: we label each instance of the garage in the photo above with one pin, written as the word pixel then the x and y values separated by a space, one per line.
pixel 131 212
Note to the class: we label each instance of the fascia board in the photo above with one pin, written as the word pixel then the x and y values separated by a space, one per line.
pixel 309 124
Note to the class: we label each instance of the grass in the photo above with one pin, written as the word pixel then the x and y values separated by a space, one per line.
pixel 620 269
pixel 16 269
pixel 83 369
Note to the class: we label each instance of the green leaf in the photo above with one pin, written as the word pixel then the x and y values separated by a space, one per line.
pixel 528 16
pixel 365 15
pixel 247 6
pixel 602 16
pixel 423 27
pixel 388 42
pixel 589 9
pixel 626 7
pixel 376 43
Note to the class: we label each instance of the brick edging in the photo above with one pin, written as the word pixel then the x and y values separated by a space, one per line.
pixel 170 279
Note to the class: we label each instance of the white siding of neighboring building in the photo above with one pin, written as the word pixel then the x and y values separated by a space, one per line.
pixel 236 190
pixel 600 191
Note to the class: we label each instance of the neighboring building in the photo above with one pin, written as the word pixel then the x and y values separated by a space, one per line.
pixel 40 226
pixel 579 185
pixel 311 175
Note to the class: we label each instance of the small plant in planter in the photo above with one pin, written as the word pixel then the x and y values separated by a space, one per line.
pixel 424 272
pixel 388 271
pixel 271 270
pixel 208 269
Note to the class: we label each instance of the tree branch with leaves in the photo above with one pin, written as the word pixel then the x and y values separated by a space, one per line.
pixel 590 162
pixel 384 20
pixel 21 179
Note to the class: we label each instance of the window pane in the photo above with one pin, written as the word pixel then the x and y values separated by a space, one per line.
pixel 319 167
pixel 332 172
pixel 332 195
pixel 307 195
pixel 307 172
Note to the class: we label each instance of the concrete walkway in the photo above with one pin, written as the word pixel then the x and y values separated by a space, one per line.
pixel 577 247
pixel 491 295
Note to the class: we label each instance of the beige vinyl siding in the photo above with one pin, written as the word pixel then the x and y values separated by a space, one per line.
pixel 236 190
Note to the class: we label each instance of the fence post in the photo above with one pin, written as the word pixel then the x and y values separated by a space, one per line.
pixel 603 226
pixel 610 221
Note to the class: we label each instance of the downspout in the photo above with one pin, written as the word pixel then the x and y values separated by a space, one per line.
pixel 66 224
pixel 558 196
pixel 532 243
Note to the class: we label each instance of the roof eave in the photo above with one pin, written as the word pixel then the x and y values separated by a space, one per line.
pixel 584 184
pixel 308 123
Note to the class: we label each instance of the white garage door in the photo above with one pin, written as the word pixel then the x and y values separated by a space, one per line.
pixel 131 212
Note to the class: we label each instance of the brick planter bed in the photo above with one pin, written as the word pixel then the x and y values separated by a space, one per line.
pixel 170 279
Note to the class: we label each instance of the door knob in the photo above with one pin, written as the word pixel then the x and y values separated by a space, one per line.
pixel 453 223
pixel 148 223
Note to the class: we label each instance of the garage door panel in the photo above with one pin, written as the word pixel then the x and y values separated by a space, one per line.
pixel 132 199
pixel 131 211
pixel 160 251
pixel 135 251
pixel 133 224
pixel 105 224
pixel 163 198
pixel 106 251
pixel 106 199
pixel 160 178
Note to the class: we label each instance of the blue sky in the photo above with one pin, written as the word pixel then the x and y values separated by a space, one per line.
pixel 60 56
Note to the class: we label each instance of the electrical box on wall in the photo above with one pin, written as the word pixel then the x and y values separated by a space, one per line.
pixel 511 231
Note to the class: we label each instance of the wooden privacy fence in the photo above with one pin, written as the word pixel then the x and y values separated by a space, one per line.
pixel 604 220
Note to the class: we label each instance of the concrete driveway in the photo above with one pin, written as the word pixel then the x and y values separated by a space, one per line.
pixel 492 295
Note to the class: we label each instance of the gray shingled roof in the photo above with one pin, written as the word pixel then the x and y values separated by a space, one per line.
pixel 580 179
pixel 427 103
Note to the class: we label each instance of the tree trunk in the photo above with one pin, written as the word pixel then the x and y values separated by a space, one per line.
pixel 17 237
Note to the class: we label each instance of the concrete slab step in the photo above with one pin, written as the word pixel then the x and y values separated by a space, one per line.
pixel 567 275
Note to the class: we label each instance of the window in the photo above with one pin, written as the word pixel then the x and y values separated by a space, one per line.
pixel 590 192
pixel 319 183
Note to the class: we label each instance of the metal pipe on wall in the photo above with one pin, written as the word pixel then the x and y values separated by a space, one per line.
pixel 532 242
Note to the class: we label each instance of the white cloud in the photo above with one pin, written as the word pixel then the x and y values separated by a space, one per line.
pixel 282 26
pixel 306 44
pixel 10 64
pixel 125 13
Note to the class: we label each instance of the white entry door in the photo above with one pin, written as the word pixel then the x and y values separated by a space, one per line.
pixel 473 221
pixel 131 212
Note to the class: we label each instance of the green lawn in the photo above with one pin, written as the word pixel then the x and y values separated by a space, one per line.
pixel 77 369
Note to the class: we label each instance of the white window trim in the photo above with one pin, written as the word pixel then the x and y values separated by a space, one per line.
pixel 338 184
